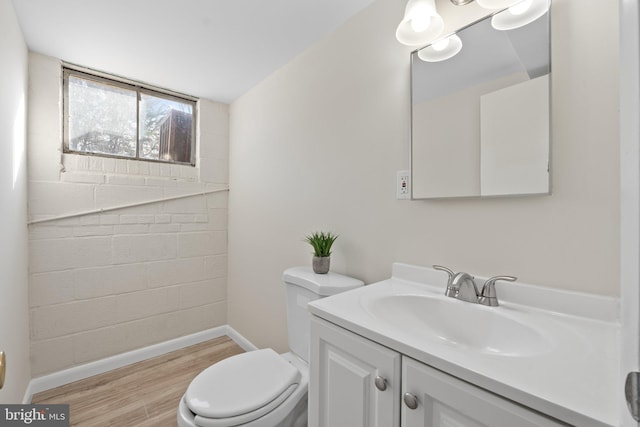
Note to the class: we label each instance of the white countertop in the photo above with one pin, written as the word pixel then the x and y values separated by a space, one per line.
pixel 573 380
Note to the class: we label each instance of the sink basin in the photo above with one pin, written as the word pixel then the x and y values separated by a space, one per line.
pixel 487 330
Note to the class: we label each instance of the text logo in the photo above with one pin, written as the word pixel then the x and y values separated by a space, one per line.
pixel 34 415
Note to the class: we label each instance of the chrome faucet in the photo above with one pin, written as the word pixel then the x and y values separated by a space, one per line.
pixel 462 286
pixel 465 287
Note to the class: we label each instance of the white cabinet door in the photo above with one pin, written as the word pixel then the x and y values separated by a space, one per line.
pixel 354 382
pixel 445 401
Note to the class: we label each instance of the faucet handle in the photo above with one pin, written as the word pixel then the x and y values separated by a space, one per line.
pixel 488 294
pixel 445 269
pixel 449 291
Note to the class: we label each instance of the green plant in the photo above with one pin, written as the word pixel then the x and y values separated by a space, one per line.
pixel 321 243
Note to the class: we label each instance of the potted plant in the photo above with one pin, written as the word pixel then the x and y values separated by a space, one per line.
pixel 321 243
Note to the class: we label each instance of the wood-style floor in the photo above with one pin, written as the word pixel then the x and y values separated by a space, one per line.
pixel 143 394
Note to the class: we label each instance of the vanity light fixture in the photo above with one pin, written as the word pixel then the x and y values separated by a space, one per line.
pixel 496 4
pixel 520 14
pixel 421 23
pixel 442 49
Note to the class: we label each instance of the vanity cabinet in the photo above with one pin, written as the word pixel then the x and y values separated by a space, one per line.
pixel 442 401
pixel 355 382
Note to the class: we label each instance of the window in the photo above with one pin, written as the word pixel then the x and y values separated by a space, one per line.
pixel 112 118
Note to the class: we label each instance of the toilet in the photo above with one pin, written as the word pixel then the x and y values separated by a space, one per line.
pixel 263 388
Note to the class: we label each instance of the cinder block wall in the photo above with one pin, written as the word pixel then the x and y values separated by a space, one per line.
pixel 123 254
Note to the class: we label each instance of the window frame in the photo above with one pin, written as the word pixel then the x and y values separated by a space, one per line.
pixel 138 88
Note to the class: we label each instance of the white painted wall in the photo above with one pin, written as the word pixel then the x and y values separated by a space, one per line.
pixel 108 275
pixel 14 320
pixel 317 146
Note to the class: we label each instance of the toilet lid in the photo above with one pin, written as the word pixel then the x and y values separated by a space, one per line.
pixel 241 384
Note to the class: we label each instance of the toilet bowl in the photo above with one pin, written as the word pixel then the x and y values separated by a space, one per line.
pixel 263 388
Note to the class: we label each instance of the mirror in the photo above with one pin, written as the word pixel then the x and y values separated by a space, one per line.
pixel 481 119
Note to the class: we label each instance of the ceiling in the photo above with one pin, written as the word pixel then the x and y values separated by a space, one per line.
pixel 216 49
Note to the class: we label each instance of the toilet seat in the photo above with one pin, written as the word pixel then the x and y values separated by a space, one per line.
pixel 240 389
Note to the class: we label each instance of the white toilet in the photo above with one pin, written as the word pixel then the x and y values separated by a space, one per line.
pixel 262 388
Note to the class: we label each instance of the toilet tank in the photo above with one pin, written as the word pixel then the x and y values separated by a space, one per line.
pixel 302 287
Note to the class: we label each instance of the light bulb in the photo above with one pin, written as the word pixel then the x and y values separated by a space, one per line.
pixel 441 45
pixel 520 8
pixel 420 18
pixel 421 23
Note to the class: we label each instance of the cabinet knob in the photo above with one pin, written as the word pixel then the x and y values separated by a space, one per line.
pixel 381 383
pixel 410 400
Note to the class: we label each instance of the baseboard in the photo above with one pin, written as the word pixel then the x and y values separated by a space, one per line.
pixel 57 379
pixel 240 340
pixel 28 394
